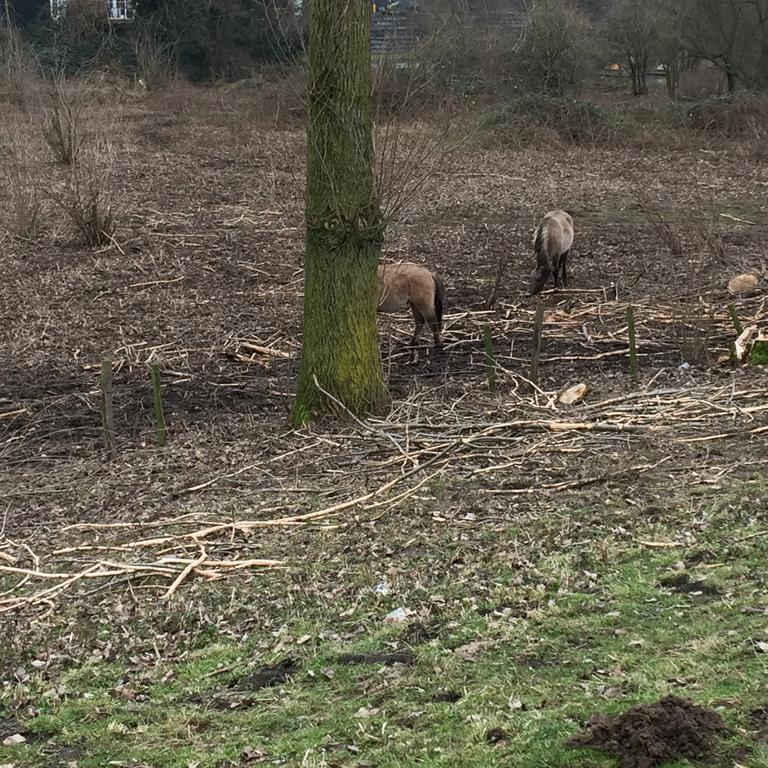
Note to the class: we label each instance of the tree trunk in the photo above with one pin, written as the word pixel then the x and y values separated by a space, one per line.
pixel 637 69
pixel 672 74
pixel 340 351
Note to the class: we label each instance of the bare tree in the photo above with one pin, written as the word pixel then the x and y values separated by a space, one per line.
pixel 671 49
pixel 733 35
pixel 555 45
pixel 633 30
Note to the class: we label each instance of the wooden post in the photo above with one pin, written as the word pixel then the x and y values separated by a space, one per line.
pixel 490 360
pixel 107 415
pixel 157 393
pixel 735 318
pixel 739 330
pixel 538 323
pixel 632 341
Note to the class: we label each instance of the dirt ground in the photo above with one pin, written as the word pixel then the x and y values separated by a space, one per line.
pixel 649 735
pixel 208 257
pixel 465 547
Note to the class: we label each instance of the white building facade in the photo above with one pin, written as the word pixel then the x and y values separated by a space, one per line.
pixel 119 10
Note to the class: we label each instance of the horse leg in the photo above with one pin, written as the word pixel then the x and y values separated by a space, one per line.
pixel 418 318
pixel 563 260
pixel 434 326
pixel 555 270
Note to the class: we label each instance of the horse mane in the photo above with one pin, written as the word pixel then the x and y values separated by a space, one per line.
pixel 540 244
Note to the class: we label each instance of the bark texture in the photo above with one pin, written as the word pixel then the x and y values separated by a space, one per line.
pixel 343 222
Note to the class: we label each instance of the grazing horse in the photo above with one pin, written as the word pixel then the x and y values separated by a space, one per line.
pixel 552 241
pixel 415 286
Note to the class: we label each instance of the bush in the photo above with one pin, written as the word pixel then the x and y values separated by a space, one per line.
pixel 86 196
pixel 61 126
pixel 699 82
pixel 570 120
pixel 741 118
pixel 154 63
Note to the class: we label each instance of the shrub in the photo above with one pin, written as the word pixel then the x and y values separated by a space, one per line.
pixel 740 118
pixel 154 63
pixel 86 195
pixel 570 120
pixel 62 125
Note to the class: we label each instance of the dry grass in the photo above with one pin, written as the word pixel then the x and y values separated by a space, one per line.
pixel 211 219
pixel 660 224
pixel 22 217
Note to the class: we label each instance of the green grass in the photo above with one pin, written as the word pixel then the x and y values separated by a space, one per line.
pixel 534 641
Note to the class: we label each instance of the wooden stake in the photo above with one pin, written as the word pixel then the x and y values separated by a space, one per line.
pixel 490 360
pixel 157 392
pixel 107 415
pixel 632 341
pixel 736 322
pixel 538 323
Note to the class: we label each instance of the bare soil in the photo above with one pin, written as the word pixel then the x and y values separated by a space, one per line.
pixel 648 735
pixel 208 257
pixel 272 674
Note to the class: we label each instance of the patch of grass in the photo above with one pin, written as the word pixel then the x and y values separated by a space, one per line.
pixel 530 646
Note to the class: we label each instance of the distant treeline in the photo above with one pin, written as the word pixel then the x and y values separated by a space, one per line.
pixel 200 39
pixel 561 40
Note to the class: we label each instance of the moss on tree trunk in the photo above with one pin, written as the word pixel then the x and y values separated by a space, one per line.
pixel 344 227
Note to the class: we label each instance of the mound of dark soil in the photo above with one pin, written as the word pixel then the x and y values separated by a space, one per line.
pixel 647 735
pixel 447 697
pixel 11 727
pixel 271 674
pixel 685 584
pixel 495 736
pixel 758 722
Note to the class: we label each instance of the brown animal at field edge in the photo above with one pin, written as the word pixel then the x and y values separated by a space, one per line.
pixel 407 284
pixel 552 242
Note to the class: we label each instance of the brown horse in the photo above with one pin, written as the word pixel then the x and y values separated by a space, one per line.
pixel 405 284
pixel 552 241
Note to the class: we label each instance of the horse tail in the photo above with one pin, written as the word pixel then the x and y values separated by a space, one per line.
pixel 439 298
